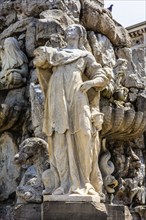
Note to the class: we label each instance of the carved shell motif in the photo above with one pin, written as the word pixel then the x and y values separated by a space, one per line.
pixel 120 124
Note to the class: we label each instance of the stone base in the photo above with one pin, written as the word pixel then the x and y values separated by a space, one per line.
pixel 70 198
pixel 83 211
pixel 68 211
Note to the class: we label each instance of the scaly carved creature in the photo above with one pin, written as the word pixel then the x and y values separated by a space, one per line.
pixel 107 168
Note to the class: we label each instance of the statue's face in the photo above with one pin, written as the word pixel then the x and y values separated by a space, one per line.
pixel 8 43
pixel 11 44
pixel 72 33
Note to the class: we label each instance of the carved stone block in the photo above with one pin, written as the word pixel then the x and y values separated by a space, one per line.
pixel 84 211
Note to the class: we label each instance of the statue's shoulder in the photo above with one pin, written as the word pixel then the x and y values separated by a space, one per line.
pixel 90 56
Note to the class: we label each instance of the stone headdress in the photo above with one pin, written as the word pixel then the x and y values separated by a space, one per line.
pixel 12 56
pixel 82 35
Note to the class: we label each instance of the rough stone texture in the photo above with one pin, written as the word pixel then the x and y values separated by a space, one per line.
pixel 27 212
pixel 102 49
pixel 123 102
pixel 135 67
pixel 37 109
pixel 103 22
pixel 138 59
pixel 6 212
pixel 141 101
pixel 9 171
pixel 140 211
pixel 47 29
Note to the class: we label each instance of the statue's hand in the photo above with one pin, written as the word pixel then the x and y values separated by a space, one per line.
pixel 86 86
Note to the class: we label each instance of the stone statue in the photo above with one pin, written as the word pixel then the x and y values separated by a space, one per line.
pixel 68 116
pixel 14 65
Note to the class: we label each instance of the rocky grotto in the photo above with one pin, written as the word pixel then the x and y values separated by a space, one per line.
pixel 72 113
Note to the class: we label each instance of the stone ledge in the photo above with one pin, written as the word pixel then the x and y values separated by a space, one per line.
pixel 70 198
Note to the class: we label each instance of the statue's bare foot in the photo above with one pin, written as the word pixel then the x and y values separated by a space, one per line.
pixel 88 187
pixel 58 191
pixel 89 190
pixel 76 191
pixel 93 192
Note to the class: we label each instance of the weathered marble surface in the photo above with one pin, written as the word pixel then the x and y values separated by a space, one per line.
pixel 123 101
pixel 61 103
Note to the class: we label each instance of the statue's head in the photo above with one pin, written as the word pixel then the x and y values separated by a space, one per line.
pixel 11 43
pixel 13 56
pixel 76 32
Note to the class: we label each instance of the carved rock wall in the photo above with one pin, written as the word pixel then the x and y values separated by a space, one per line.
pixel 39 23
pixel 10 172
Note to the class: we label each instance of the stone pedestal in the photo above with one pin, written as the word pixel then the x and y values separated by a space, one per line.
pixel 59 210
pixel 83 211
pixel 73 211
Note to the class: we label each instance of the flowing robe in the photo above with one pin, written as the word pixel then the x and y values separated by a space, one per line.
pixel 67 116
